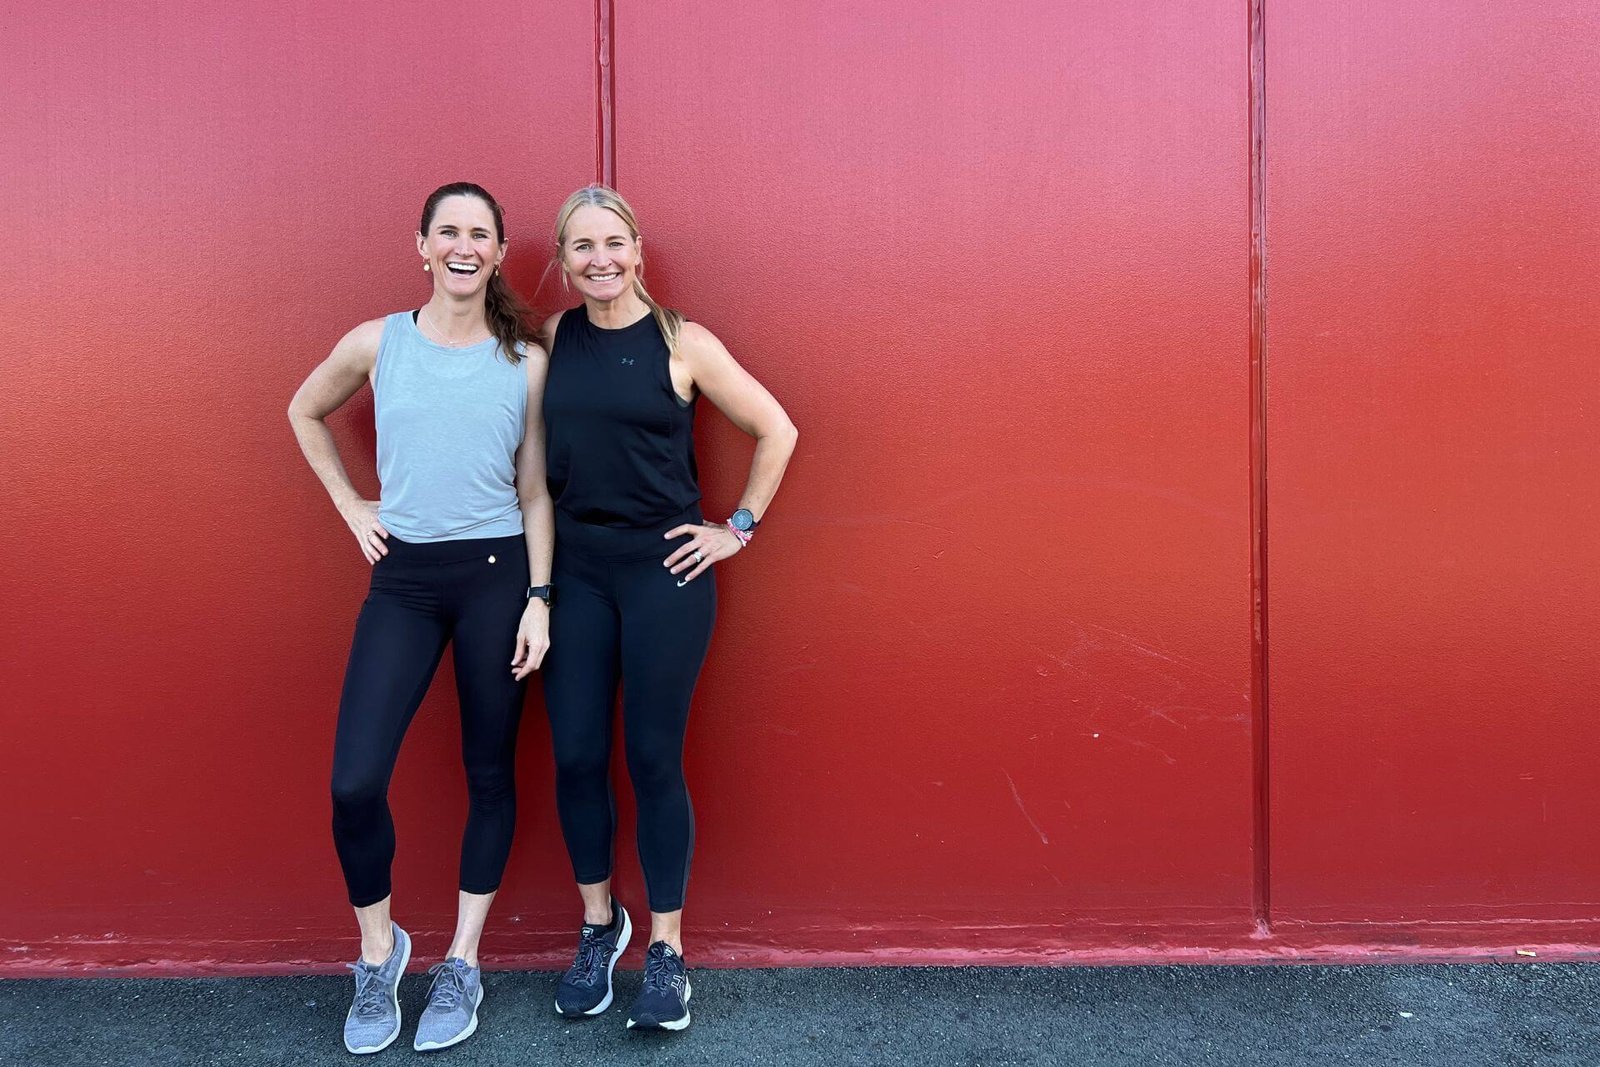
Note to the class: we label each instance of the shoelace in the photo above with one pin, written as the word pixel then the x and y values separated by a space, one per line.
pixel 449 986
pixel 592 952
pixel 662 970
pixel 372 998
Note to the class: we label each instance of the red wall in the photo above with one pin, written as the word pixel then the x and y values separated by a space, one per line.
pixel 1433 457
pixel 987 688
pixel 1000 627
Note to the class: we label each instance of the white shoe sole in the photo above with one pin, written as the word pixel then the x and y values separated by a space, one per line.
pixel 466 1032
pixel 394 998
pixel 676 1024
pixel 605 1002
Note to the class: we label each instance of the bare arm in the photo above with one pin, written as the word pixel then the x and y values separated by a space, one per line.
pixel 547 333
pixel 336 380
pixel 706 363
pixel 748 406
pixel 538 520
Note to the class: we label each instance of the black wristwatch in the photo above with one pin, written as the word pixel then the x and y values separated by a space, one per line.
pixel 743 520
pixel 546 593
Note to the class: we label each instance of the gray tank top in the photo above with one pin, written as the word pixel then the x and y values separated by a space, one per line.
pixel 449 423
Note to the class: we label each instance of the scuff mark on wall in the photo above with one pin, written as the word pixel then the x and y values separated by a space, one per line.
pixel 1015 795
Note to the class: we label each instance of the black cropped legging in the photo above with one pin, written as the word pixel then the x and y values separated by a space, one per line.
pixel 470 593
pixel 621 616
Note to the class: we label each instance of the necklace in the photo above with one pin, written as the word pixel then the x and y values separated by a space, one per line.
pixel 445 339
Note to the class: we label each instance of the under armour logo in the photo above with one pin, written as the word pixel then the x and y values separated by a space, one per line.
pixel 627 362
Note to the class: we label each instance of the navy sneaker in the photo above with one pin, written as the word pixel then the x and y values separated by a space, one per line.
pixel 663 1003
pixel 586 987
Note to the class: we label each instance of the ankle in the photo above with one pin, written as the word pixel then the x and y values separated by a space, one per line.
pixel 376 952
pixel 598 915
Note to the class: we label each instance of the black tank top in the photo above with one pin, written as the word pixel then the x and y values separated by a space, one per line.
pixel 619 443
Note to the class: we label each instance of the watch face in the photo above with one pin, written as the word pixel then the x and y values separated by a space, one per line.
pixel 742 519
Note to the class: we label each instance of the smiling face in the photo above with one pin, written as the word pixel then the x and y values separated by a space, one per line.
pixel 599 254
pixel 462 246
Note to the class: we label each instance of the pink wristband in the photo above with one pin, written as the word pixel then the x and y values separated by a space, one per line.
pixel 743 535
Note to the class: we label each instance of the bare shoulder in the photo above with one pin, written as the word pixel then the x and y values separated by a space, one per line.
pixel 358 349
pixel 336 379
pixel 369 332
pixel 536 357
pixel 698 343
pixel 547 332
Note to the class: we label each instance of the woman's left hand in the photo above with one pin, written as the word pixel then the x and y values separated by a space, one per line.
pixel 711 541
pixel 533 639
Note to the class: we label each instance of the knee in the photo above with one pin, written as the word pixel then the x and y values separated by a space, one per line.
pixel 577 764
pixel 354 794
pixel 654 772
pixel 491 784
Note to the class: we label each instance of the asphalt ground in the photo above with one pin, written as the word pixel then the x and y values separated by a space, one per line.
pixel 1456 1015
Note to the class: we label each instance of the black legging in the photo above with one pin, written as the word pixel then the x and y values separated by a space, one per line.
pixel 468 592
pixel 629 619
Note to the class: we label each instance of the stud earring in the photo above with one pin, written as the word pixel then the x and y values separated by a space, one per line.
pixel 425 266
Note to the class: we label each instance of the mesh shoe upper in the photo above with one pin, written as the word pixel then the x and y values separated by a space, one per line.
pixel 453 1001
pixel 586 987
pixel 374 1017
pixel 664 999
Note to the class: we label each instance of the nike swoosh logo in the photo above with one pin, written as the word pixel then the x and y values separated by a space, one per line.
pixel 683 583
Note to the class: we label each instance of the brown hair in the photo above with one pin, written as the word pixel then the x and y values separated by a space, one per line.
pixel 669 321
pixel 505 310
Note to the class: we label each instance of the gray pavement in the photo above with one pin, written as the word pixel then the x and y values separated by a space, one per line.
pixel 1452 1015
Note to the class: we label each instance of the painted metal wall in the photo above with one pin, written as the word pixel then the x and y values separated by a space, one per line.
pixel 998 634
pixel 988 687
pixel 211 195
pixel 1433 455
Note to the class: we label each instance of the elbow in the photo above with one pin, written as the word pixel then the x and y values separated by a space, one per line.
pixel 788 435
pixel 778 429
pixel 298 409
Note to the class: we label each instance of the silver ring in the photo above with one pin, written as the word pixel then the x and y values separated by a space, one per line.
pixel 698 557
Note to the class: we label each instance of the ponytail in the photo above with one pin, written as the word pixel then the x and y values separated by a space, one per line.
pixel 508 316
pixel 669 322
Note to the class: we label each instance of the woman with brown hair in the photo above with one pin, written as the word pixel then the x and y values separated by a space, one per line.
pixel 459 544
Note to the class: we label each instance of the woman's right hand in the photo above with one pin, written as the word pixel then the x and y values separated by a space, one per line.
pixel 362 518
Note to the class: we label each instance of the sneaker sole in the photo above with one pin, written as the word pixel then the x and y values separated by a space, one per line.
pixel 675 1024
pixel 470 1029
pixel 394 998
pixel 605 1002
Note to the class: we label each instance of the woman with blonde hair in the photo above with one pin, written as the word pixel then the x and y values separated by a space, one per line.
pixel 635 597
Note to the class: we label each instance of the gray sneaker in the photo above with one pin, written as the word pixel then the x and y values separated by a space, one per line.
pixel 374 1019
pixel 452 1012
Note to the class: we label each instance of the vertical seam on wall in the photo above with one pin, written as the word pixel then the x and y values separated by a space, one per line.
pixel 605 125
pixel 1260 733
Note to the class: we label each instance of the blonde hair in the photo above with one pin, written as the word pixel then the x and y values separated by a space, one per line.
pixel 670 322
